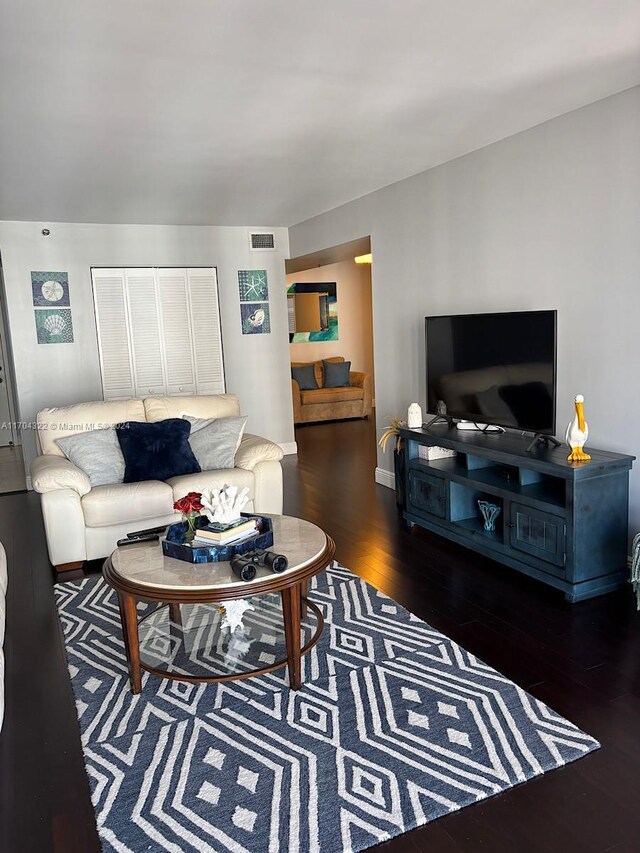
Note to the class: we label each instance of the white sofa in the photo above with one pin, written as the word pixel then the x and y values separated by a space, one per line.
pixel 84 523
pixel 3 611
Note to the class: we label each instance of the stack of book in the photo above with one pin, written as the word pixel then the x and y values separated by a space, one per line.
pixel 226 534
pixel 432 451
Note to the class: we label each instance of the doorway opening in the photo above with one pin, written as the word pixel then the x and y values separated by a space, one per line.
pixel 329 298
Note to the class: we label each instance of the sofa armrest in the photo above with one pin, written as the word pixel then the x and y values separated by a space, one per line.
pixel 254 449
pixel 297 401
pixel 49 473
pixel 364 381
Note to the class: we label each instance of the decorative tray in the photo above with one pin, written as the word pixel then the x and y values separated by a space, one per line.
pixel 173 544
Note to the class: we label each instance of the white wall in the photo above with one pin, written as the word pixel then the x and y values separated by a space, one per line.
pixel 257 366
pixel 549 218
pixel 355 323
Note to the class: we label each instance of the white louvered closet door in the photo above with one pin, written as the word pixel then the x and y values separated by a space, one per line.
pixel 205 324
pixel 158 331
pixel 145 333
pixel 176 331
pixel 110 300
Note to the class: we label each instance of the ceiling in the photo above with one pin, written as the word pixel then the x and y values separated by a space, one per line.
pixel 267 112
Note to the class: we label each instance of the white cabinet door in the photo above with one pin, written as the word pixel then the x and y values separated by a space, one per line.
pixel 176 331
pixel 112 323
pixel 205 324
pixel 146 338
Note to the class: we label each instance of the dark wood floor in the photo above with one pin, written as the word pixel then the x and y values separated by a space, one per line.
pixel 583 660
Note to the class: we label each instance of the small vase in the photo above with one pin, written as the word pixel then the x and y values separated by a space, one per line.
pixel 190 518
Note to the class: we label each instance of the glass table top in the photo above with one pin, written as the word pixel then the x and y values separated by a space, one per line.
pixel 201 648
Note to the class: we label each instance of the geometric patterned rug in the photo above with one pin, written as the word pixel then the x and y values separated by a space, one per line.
pixel 395 725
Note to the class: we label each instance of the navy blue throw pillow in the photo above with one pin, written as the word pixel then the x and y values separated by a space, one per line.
pixel 336 373
pixel 305 377
pixel 156 451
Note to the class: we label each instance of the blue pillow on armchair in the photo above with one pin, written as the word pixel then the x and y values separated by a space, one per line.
pixel 305 377
pixel 336 373
pixel 156 451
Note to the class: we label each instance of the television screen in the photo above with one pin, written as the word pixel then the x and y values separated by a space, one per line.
pixel 494 368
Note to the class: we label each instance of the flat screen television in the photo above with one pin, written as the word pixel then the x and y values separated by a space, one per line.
pixel 494 368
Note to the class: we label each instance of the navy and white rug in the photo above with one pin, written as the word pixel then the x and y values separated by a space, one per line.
pixel 395 725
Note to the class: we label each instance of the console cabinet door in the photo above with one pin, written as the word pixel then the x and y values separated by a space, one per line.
pixel 540 534
pixel 427 494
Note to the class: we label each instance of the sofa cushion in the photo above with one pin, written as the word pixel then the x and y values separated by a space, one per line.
pixel 331 395
pixel 305 377
pixel 317 367
pixel 120 503
pixel 197 406
pixel 214 441
pixel 97 453
pixel 211 480
pixel 336 374
pixel 156 451
pixel 82 417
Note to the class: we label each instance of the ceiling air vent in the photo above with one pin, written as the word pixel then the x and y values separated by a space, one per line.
pixel 262 240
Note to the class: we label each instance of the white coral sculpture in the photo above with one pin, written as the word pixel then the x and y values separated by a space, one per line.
pixel 233 613
pixel 224 505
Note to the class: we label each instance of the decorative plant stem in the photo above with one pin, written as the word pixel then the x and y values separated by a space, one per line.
pixel 190 518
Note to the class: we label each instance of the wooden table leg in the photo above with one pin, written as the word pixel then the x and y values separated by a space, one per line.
pixel 304 592
pixel 125 639
pixel 129 617
pixel 291 614
pixel 176 615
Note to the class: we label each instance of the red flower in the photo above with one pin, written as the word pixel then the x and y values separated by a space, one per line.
pixel 189 503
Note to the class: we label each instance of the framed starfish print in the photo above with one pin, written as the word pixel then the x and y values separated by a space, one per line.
pixel 253 285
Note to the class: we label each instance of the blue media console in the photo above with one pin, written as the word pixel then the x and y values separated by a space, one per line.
pixel 563 523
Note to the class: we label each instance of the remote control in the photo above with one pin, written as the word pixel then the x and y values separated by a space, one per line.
pixel 140 533
pixel 150 537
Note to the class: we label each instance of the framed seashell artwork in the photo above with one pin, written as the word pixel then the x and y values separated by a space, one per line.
pixel 255 318
pixel 54 326
pixel 50 289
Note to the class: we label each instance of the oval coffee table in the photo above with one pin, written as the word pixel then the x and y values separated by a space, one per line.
pixel 141 572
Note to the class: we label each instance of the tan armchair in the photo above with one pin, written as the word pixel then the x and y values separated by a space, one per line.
pixel 325 404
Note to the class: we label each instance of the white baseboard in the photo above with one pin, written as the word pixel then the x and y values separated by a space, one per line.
pixel 289 448
pixel 385 478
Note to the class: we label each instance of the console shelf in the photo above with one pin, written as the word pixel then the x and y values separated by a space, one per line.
pixel 563 523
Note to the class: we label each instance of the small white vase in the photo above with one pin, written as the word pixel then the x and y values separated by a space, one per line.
pixel 414 416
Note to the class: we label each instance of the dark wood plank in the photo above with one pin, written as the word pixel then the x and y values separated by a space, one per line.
pixel 583 660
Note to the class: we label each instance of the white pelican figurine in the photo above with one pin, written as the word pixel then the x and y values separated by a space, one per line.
pixel 577 434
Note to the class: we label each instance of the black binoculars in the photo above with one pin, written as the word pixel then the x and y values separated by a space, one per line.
pixel 246 565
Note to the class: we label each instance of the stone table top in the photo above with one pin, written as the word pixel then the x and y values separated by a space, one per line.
pixel 144 563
